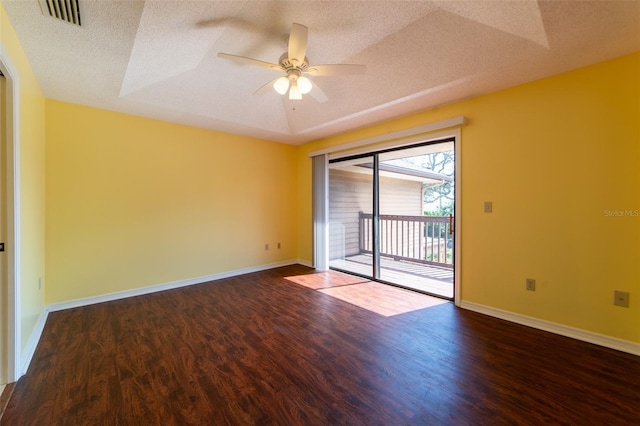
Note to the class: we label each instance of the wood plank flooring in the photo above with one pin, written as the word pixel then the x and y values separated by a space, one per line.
pixel 383 299
pixel 5 395
pixel 263 349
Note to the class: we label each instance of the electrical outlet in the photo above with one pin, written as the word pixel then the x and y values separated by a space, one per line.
pixel 621 298
pixel 266 246
pixel 488 206
pixel 531 284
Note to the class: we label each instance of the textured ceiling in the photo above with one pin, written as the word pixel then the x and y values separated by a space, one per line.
pixel 159 58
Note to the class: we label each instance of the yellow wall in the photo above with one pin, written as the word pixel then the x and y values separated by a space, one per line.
pixel 556 157
pixel 32 181
pixel 134 202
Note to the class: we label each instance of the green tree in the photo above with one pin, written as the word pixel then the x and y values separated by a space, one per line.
pixel 439 198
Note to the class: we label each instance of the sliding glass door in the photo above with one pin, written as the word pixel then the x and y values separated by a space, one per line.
pixel 350 200
pixel 391 216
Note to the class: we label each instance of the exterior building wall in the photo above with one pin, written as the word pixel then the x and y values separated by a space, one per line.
pixel 351 193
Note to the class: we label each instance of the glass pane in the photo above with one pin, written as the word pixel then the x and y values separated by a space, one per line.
pixel 416 198
pixel 350 215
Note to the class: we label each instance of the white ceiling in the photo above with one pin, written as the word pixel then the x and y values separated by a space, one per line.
pixel 159 58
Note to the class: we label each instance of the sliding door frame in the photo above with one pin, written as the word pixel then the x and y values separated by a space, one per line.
pixel 376 217
pixel 431 132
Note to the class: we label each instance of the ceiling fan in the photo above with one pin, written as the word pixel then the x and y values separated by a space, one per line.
pixel 295 64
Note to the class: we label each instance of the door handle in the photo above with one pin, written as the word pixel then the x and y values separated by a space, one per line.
pixel 450 224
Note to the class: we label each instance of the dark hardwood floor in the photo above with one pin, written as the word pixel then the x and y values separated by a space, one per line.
pixel 261 349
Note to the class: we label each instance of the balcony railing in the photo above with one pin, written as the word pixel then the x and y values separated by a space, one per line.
pixel 421 239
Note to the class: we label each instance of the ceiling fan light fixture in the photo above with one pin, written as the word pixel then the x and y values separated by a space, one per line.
pixel 281 85
pixel 294 92
pixel 304 84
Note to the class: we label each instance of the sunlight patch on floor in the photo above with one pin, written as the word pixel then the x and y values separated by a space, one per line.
pixel 380 298
pixel 326 279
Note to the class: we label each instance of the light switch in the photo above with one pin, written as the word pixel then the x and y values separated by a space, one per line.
pixel 488 206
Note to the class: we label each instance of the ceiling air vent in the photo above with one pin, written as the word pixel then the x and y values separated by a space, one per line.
pixel 65 10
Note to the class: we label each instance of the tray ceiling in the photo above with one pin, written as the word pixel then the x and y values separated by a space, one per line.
pixel 159 59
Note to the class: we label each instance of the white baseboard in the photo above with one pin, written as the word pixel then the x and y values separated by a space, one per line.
pixel 563 330
pixel 304 263
pixel 162 287
pixel 32 344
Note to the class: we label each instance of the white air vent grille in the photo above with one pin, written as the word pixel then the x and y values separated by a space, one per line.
pixel 65 10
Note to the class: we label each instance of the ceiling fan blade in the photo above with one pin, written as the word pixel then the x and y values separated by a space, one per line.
pixel 336 69
pixel 298 44
pixel 317 94
pixel 266 88
pixel 250 61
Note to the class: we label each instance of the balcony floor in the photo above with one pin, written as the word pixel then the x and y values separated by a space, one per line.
pixel 426 278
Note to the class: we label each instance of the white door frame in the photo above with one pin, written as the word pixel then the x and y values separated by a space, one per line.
pixel 12 186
